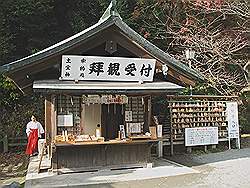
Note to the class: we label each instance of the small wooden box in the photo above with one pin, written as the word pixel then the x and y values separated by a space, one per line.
pixel 153 133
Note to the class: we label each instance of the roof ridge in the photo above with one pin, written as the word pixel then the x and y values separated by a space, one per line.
pixel 110 11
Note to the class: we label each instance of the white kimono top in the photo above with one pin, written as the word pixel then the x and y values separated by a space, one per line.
pixel 34 125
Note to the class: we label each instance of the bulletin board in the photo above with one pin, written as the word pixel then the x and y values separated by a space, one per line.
pixel 201 136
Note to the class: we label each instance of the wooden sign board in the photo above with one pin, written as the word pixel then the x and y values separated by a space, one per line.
pixel 107 68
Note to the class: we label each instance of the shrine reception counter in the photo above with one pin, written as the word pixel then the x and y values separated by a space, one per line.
pixel 87 156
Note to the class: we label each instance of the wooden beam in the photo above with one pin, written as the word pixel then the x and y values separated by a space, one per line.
pixel 180 77
pixel 200 96
pixel 53 117
pixel 48 117
pixel 50 122
pixel 171 135
pixel 149 110
pixel 82 124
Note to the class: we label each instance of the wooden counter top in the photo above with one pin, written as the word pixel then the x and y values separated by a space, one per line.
pixel 104 143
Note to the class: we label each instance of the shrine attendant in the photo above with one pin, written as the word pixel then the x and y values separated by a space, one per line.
pixel 34 130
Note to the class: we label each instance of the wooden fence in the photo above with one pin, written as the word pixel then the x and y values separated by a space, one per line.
pixel 12 142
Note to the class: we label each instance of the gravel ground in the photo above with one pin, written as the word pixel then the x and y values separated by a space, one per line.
pixel 13 167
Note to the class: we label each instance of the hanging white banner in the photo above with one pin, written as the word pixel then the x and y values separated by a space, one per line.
pixel 233 121
pixel 105 99
pixel 107 68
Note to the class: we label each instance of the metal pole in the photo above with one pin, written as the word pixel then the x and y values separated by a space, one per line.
pixel 191 88
pixel 238 139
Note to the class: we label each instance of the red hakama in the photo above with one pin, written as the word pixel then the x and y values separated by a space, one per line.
pixel 32 142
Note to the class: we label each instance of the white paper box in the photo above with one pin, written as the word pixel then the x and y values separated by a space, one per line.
pixel 159 131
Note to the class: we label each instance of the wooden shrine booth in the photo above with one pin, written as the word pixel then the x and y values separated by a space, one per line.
pixel 78 97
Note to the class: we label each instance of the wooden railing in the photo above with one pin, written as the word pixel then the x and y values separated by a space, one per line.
pixel 12 142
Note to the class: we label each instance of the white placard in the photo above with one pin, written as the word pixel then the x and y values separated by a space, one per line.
pixel 134 127
pixel 201 136
pixel 233 121
pixel 117 99
pixel 107 68
pixel 128 116
pixel 91 99
pixel 122 131
pixel 105 99
pixel 65 120
pixel 159 131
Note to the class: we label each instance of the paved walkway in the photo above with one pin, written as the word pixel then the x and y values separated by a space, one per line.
pixel 229 169
pixel 162 168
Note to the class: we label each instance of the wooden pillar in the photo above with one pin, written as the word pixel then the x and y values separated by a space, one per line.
pixel 149 111
pixel 82 120
pixel 145 113
pixel 171 144
pixel 53 117
pixel 50 121
pixel 171 135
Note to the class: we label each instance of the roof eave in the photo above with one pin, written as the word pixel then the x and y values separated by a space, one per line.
pixel 58 47
pixel 85 34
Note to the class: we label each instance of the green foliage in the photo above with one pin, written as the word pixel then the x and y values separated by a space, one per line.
pixel 215 30
pixel 244 111
pixel 199 89
pixel 8 92
pixel 16 109
pixel 19 21
pixel 28 26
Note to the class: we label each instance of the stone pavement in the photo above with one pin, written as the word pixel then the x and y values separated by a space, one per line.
pixel 162 168
pixel 228 169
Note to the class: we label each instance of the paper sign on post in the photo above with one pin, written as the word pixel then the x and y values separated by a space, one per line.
pixel 233 121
